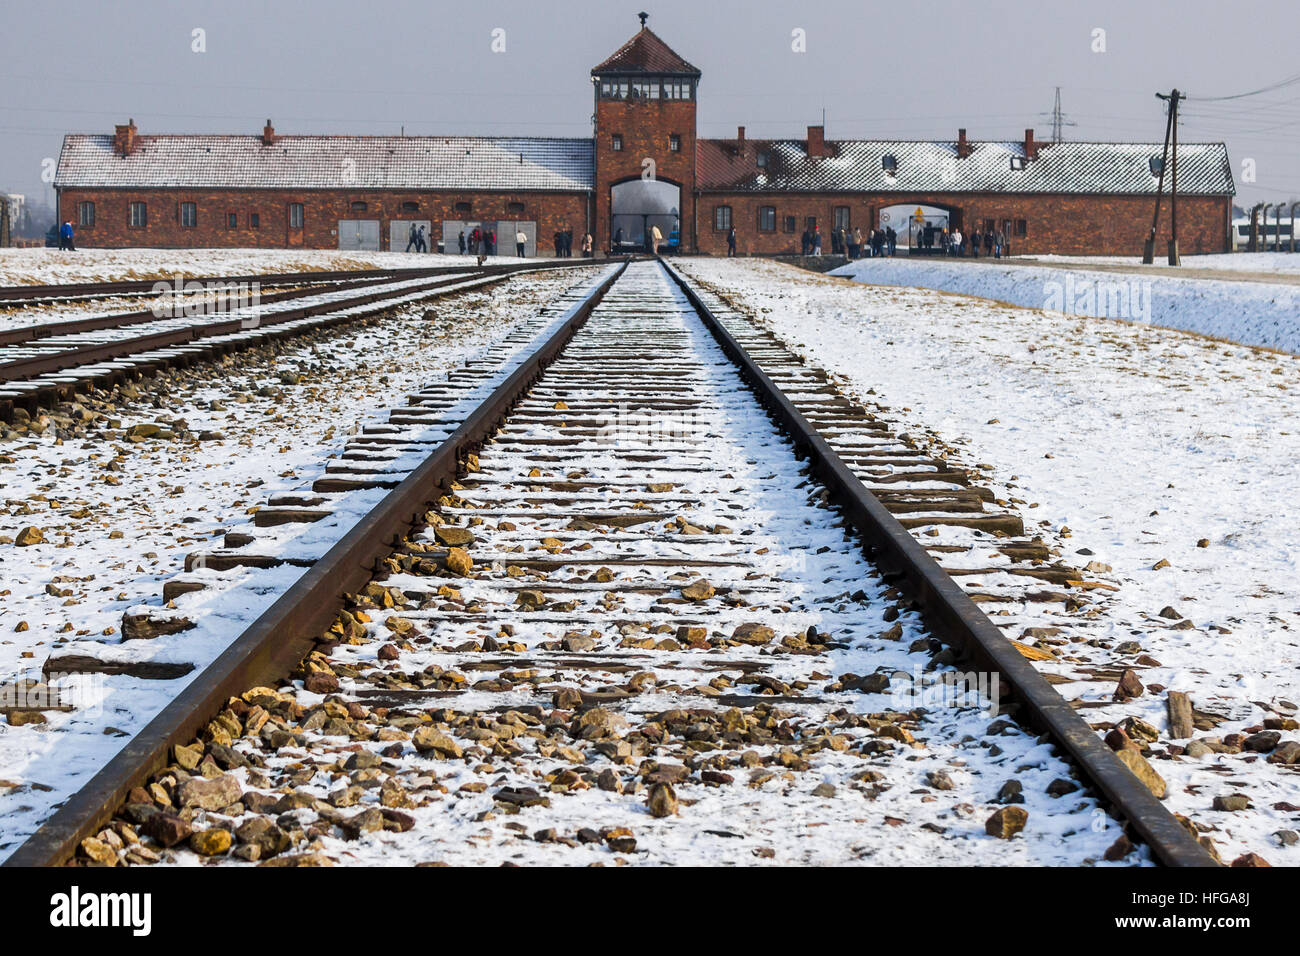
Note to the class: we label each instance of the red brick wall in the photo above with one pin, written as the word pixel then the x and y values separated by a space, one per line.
pixel 645 126
pixel 323 209
pixel 1071 225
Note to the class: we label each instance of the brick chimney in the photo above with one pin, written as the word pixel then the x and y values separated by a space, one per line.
pixel 268 134
pixel 817 141
pixel 124 139
pixel 964 148
pixel 1031 147
pixel 740 138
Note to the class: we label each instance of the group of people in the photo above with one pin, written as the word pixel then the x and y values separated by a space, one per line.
pixel 563 239
pixel 415 239
pixel 954 243
pixel 480 242
pixel 857 245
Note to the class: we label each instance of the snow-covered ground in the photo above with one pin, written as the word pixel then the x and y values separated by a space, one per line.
pixel 1128 445
pixel 1220 262
pixel 119 516
pixel 1250 313
pixel 47 266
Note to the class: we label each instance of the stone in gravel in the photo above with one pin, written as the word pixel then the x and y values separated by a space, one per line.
pixel 388 652
pixel 1287 753
pixel 260 832
pixel 870 684
pixel 429 740
pixel 166 828
pixel 1262 742
pixel 752 633
pixel 187 757
pixel 579 642
pixel 1169 614
pixel 566 698
pixel 662 801
pixel 1250 860
pixel 1143 771
pixel 1061 787
pixel 825 790
pixel 1129 686
pixel 939 780
pixel 530 599
pixel 1287 837
pixel 608 780
pixel 1007 822
pixel 699 590
pixel 212 842
pixel 362 760
pixel 367 821
pixel 1010 792
pixel 319 682
pixel 459 562
pixel 29 536
pixel 1121 848
pixel 259 802
pixel 299 859
pixel 1198 748
pixel 454 537
pixel 98 852
pixel 21 718
pixel 1232 803
pixel 208 794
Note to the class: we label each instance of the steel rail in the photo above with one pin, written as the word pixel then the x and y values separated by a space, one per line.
pixel 286 632
pixel 950 613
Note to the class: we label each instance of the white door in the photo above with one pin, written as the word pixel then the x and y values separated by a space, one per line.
pixel 359 235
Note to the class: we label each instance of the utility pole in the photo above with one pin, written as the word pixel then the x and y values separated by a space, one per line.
pixel 1059 120
pixel 1173 98
pixel 1149 249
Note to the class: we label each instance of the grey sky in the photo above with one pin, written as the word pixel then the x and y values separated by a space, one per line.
pixel 879 69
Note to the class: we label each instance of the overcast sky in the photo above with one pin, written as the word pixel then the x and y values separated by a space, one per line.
pixel 894 69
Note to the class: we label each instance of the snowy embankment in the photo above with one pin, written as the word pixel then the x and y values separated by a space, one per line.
pixel 50 266
pixel 1167 457
pixel 1249 313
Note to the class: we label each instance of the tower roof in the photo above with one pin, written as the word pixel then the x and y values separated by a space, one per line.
pixel 645 53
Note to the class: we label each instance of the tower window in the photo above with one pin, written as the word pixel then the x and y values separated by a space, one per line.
pixel 616 142
pixel 645 89
pixel 675 143
pixel 677 89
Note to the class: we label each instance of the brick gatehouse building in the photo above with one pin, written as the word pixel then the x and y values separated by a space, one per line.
pixel 643 167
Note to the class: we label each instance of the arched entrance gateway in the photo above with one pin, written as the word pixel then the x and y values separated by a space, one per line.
pixel 919 225
pixel 636 205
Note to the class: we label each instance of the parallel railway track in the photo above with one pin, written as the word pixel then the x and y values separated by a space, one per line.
pixel 589 589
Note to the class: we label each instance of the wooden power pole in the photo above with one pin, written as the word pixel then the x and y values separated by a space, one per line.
pixel 1173 98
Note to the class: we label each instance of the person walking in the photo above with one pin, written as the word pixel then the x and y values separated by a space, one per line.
pixel 817 240
pixel 475 238
pixel 421 244
pixel 66 238
pixel 731 242
pixel 891 239
pixel 656 237
pixel 988 241
pixel 410 237
pixel 586 245
pixel 460 242
pixel 521 241
pixel 999 240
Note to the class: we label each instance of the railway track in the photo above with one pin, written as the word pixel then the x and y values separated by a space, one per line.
pixel 33 295
pixel 622 591
pixel 45 363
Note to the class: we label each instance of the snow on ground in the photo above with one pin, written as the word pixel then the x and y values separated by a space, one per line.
pixel 1129 445
pixel 1250 313
pixel 47 266
pixel 120 516
pixel 1283 263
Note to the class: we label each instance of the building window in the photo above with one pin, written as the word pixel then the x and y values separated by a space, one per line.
pixel 613 89
pixel 677 89
pixel 842 217
pixel 1022 227
pixel 86 214
pixel 761 160
pixel 232 220
pixel 616 142
pixel 889 163
pixel 296 216
pixel 791 223
pixel 358 206
pixel 514 209
pixel 645 89
pixel 139 215
pixel 254 220
pixel 189 215
pixel 1019 163
pixel 810 223
pixel 410 206
pixel 463 210
pixel 721 217
pixel 767 218
pixel 675 143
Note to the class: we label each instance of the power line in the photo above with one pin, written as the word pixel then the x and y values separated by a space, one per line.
pixel 1280 84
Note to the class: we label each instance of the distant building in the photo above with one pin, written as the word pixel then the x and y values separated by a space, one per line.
pixel 643 168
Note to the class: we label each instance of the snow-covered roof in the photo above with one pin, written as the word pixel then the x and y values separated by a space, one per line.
pixel 329 162
pixel 859 166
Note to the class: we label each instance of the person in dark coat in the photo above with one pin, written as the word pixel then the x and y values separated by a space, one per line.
pixel 804 242
pixel 410 237
pixel 618 239
pixel 460 241
pixel 891 238
pixel 988 242
pixel 731 241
